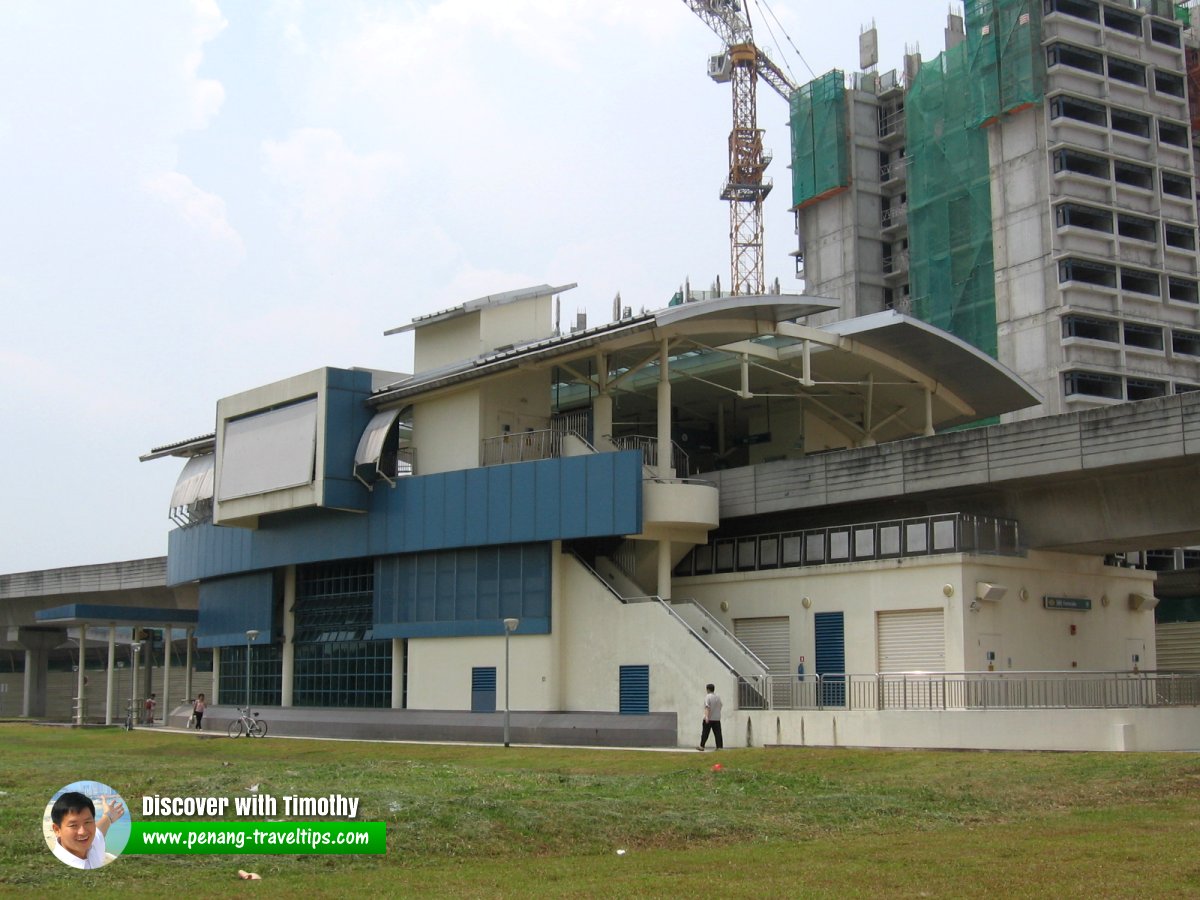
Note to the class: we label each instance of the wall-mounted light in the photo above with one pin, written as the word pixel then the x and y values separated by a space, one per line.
pixel 989 592
pixel 1142 602
pixel 806 602
pixel 948 590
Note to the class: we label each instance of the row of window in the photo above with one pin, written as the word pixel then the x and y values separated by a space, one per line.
pixel 1126 121
pixel 1117 19
pixel 1132 334
pixel 1081 162
pixel 1141 228
pixel 1128 278
pixel 1117 68
pixel 1114 387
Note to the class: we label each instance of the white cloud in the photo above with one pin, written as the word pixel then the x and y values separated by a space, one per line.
pixel 325 184
pixel 203 212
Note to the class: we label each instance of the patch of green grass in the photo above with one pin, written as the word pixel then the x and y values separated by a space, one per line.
pixel 485 821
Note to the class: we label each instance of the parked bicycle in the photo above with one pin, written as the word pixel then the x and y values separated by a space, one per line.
pixel 247 723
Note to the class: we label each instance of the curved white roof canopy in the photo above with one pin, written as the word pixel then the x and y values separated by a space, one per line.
pixel 880 377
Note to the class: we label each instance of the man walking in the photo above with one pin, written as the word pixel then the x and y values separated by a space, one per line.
pixel 712 717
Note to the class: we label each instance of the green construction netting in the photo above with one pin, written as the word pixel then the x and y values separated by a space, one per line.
pixel 998 70
pixel 1007 69
pixel 949 203
pixel 820 163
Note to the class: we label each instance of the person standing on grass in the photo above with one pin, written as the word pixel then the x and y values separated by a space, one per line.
pixel 198 711
pixel 712 717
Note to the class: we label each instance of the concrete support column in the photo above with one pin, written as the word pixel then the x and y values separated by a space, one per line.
pixel 664 413
pixel 81 681
pixel 928 412
pixel 166 697
pixel 190 664
pixel 216 688
pixel 397 673
pixel 558 624
pixel 34 701
pixel 110 682
pixel 602 407
pixel 289 634
pixel 664 569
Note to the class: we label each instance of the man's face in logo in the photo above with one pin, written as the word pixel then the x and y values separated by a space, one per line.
pixel 76 832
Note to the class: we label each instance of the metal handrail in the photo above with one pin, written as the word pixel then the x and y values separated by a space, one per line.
pixel 1021 690
pixel 722 629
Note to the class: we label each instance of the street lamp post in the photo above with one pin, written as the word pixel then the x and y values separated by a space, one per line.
pixel 251 634
pixel 510 625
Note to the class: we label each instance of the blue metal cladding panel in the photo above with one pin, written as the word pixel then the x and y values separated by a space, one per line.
pixel 500 511
pixel 476 503
pixel 483 689
pixel 463 592
pixel 229 607
pixel 598 495
pixel 829 631
pixel 572 481
pixel 346 415
pixel 524 497
pixel 635 690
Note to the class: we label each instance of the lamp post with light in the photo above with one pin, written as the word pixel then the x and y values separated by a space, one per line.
pixel 251 635
pixel 510 625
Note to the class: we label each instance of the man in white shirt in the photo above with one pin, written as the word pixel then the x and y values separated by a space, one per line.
pixel 79 837
pixel 712 717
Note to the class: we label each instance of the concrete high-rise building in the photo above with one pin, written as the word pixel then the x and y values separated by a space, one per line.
pixel 1031 190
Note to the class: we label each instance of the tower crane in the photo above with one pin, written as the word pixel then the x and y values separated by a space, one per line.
pixel 742 64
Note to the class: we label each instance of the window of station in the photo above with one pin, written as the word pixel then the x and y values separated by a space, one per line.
pixel 1088 272
pixel 1083 217
pixel 1130 122
pixel 1093 384
pixel 1144 388
pixel 1080 9
pixel 1140 281
pixel 1138 228
pixel 1076 58
pixel 1183 290
pixel 1122 20
pixel 1176 185
pixel 1082 163
pixel 1064 106
pixel 1168 83
pixel 1165 33
pixel 1127 71
pixel 1133 175
pixel 1173 133
pixel 338 663
pixel 1183 388
pixel 1182 237
pixel 1148 337
pixel 1091 328
pixel 1187 342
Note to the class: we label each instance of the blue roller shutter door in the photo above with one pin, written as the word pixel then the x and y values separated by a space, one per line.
pixel 830 634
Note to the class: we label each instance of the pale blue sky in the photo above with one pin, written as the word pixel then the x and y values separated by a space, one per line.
pixel 201 197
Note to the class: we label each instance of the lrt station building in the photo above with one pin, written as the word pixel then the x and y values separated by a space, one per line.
pixel 580 530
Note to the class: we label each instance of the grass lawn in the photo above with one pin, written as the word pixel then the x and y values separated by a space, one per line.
pixel 482 821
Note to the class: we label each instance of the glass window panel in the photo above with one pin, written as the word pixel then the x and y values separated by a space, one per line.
pixel 889 540
pixel 943 535
pixel 793 550
pixel 839 545
pixel 864 543
pixel 814 547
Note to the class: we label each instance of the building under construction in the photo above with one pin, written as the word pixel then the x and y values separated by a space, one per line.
pixel 1030 190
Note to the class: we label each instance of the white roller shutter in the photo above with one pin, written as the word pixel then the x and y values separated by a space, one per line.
pixel 1178 645
pixel 911 641
pixel 769 639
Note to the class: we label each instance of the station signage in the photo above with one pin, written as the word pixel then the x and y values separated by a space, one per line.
pixel 1066 603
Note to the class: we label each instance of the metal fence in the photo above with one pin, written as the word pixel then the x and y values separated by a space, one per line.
pixel 971 690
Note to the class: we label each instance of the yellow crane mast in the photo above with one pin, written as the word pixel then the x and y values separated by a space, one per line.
pixel 742 63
